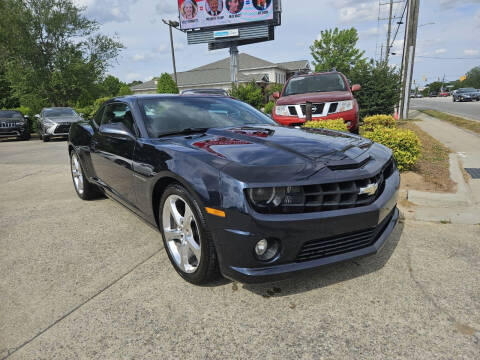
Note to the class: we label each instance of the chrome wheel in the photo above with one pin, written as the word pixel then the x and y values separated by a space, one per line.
pixel 181 234
pixel 77 174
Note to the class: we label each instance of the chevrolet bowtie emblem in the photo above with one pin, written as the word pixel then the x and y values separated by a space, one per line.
pixel 369 190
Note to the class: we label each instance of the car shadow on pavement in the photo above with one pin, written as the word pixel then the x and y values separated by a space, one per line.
pixel 331 274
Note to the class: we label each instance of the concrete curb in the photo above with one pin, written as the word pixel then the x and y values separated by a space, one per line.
pixel 460 198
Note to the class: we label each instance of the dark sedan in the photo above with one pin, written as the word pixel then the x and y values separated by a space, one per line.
pixel 466 94
pixel 14 124
pixel 231 191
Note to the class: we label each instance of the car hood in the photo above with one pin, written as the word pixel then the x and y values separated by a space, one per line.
pixel 316 97
pixel 64 119
pixel 276 152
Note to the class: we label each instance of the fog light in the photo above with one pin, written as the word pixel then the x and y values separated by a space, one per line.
pixel 348 123
pixel 261 247
pixel 267 250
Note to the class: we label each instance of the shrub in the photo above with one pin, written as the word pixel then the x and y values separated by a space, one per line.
pixel 405 144
pixel 89 111
pixel 269 107
pixel 337 124
pixel 250 93
pixel 166 85
pixel 371 122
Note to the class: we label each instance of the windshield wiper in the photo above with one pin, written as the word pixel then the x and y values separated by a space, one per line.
pixel 186 131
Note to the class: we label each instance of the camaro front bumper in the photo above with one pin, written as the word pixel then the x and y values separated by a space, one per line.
pixel 342 234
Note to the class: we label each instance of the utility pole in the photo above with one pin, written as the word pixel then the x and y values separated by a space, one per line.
pixel 409 55
pixel 389 33
pixel 171 24
pixel 234 64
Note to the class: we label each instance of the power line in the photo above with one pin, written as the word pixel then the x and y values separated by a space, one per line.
pixel 447 58
pixel 398 27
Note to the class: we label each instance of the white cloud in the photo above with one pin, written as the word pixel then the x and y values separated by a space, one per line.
pixel 166 8
pixel 148 78
pixel 107 10
pixel 359 13
pixel 374 31
pixel 471 52
pixel 440 51
pixel 454 3
pixel 132 76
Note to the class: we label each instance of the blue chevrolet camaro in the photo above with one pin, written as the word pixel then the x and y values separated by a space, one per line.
pixel 231 191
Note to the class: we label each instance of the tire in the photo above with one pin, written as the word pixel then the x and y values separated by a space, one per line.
pixel 84 189
pixel 45 138
pixel 25 136
pixel 355 131
pixel 189 246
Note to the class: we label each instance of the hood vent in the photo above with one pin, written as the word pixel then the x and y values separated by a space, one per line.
pixel 349 165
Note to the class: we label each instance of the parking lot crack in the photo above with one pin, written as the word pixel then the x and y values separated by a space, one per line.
pixel 462 328
pixel 121 277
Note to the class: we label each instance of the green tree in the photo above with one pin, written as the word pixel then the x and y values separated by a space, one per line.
pixel 434 87
pixel 124 90
pixel 473 78
pixel 380 87
pixel 54 54
pixel 111 86
pixel 135 83
pixel 250 93
pixel 337 49
pixel 166 85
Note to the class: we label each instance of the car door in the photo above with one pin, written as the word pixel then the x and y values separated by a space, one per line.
pixel 112 151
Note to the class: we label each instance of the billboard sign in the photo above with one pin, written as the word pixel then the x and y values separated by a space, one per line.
pixel 198 14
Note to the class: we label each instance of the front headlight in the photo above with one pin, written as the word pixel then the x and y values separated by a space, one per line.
pixel 48 122
pixel 19 123
pixel 345 105
pixel 277 199
pixel 282 110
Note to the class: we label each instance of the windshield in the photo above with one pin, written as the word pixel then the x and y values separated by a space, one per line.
pixel 315 83
pixel 59 112
pixel 467 90
pixel 166 115
pixel 10 115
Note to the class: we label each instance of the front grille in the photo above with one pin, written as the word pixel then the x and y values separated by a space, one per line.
pixel 337 195
pixel 345 195
pixel 344 243
pixel 62 129
pixel 317 109
pixel 7 125
pixel 333 108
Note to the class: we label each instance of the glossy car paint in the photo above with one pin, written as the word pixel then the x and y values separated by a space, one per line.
pixel 319 97
pixel 217 166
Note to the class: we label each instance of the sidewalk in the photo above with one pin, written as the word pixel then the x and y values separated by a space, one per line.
pixel 464 206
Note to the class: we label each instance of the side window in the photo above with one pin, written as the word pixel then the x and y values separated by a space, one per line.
pixel 118 113
pixel 97 119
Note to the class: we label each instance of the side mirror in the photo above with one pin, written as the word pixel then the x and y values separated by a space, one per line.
pixel 116 130
pixel 37 116
pixel 276 95
pixel 356 87
pixel 26 117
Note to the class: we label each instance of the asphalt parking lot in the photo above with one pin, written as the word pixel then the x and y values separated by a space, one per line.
pixel 91 280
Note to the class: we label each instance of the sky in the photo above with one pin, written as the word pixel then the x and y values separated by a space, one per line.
pixel 448 42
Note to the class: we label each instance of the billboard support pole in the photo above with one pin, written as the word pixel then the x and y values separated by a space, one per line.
pixel 234 63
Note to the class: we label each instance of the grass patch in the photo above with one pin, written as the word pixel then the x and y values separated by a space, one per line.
pixel 434 163
pixel 455 120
